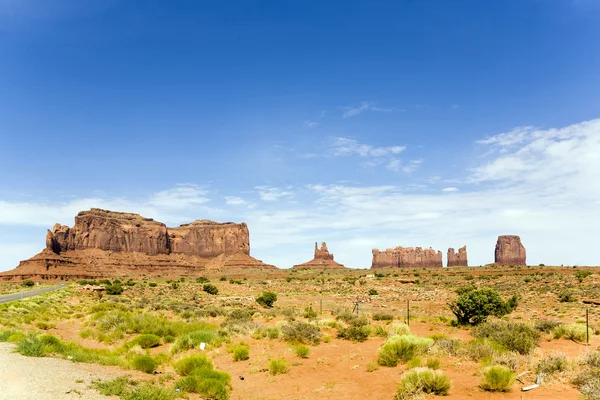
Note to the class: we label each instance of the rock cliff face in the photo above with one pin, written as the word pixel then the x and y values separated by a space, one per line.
pixel 510 251
pixel 322 259
pixel 407 257
pixel 457 259
pixel 105 243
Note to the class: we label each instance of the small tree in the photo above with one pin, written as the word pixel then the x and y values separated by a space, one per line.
pixel 581 275
pixel 266 299
pixel 473 306
pixel 114 289
pixel 210 289
pixel 28 283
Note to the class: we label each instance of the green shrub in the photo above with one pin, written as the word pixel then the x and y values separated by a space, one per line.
pixel 31 346
pixel 210 289
pixel 497 378
pixel 146 341
pixel 223 278
pixel 399 329
pixel 174 285
pixel 279 366
pixel 241 353
pixel 145 364
pixel 309 313
pixel 266 299
pixel 473 306
pixel 567 296
pixel 433 363
pixel 301 332
pixel 519 337
pixel 27 283
pixel 383 317
pixel 148 391
pixel 191 364
pixel 272 332
pixel 402 348
pixel 202 279
pixel 5 334
pixel 479 349
pixel 354 333
pixel 152 284
pixel 116 387
pixel 209 383
pixel 44 325
pixel 302 351
pixel 373 292
pixel 415 362
pixel 553 363
pixel 575 332
pixel 114 289
pixel 193 339
pixel 423 380
pixel 581 275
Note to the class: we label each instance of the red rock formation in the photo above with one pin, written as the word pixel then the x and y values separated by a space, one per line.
pixel 105 243
pixel 408 257
pixel 323 259
pixel 457 259
pixel 510 251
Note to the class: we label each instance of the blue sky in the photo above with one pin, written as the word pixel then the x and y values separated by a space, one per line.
pixel 361 123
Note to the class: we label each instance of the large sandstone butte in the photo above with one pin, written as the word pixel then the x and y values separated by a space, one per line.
pixel 407 257
pixel 322 259
pixel 510 251
pixel 105 243
pixel 457 259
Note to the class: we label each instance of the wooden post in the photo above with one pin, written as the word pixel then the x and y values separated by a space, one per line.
pixel 587 326
pixel 408 312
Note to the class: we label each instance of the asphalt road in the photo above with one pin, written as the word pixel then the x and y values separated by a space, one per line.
pixel 6 298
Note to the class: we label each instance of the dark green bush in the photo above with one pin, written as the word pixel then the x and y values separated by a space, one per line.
pixel 27 283
pixel 202 279
pixel 191 364
pixel 383 317
pixel 473 306
pixel 114 289
pixel 546 325
pixel 145 364
pixel 266 299
pixel 373 292
pixel 147 341
pixel 210 289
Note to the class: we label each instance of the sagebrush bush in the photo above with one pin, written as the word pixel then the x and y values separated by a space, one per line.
pixel 207 382
pixel 358 331
pixel 567 296
pixel 279 366
pixel 210 289
pixel 145 364
pixel 383 317
pixel 241 353
pixel 433 363
pixel 497 378
pixel 553 363
pixel 514 336
pixel 191 364
pixel 301 332
pixel 402 348
pixel 399 329
pixel 546 325
pixel 267 299
pixel 478 349
pixel 423 380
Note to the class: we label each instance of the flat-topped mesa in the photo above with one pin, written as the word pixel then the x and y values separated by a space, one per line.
pixel 125 232
pixel 107 244
pixel 323 259
pixel 407 257
pixel 322 253
pixel 457 259
pixel 510 251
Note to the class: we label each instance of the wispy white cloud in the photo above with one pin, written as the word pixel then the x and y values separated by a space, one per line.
pixel 311 124
pixel 450 189
pixel 349 147
pixel 238 201
pixel 183 195
pixel 352 111
pixel 269 193
pixel 397 165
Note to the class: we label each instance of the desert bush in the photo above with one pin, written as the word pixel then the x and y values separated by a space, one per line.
pixel 415 362
pixel 241 352
pixel 152 284
pixel 149 391
pixel 546 325
pixel 402 348
pixel 591 359
pixel 309 313
pixel 116 387
pixel 478 349
pixel 445 345
pixel 581 275
pixel 383 317
pixel 372 366
pixel 191 364
pixel 31 346
pixel 210 289
pixel 497 378
pixel 272 332
pixel 208 383
pixel 552 363
pixel 433 363
pixel 508 359
pixel 301 332
pixel 202 279
pixel 193 339
pixel 423 380
pixel 27 283
pixel 380 331
pixel 301 351
pixel 399 329
pixel 267 299
pixel 44 325
pixel 473 306
pixel 147 341
pixel 358 331
pixel 279 366
pixel 575 332
pixel 567 296
pixel 373 292
pixel 114 289
pixel 514 336
pixel 145 364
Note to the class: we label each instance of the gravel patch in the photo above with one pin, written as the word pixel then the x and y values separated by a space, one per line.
pixel 46 378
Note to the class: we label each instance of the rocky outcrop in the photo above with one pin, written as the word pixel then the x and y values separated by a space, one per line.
pixel 407 257
pixel 457 259
pixel 322 259
pixel 105 243
pixel 510 251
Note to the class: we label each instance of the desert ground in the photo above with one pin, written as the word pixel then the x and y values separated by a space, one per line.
pixel 149 337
